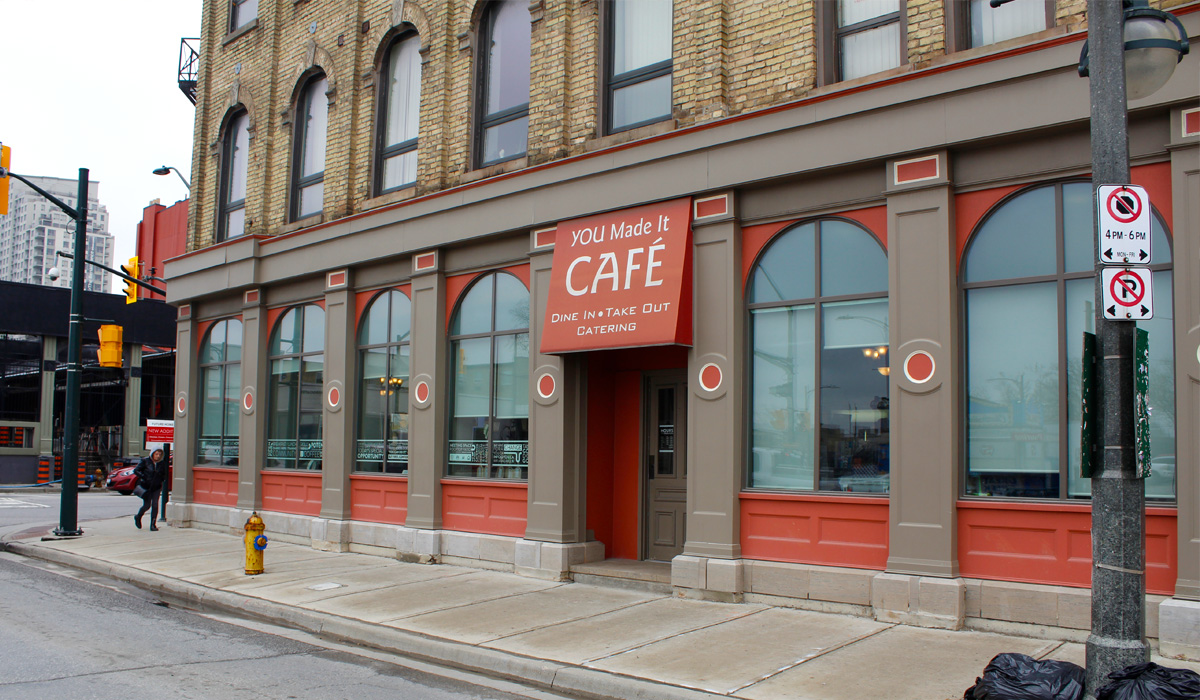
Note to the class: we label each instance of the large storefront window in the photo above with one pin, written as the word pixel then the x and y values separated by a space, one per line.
pixel 489 354
pixel 819 372
pixel 1025 318
pixel 383 392
pixel 220 393
pixel 297 361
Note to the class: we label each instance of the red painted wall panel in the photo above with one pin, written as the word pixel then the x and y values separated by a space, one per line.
pixel 815 529
pixel 378 499
pixel 490 508
pixel 215 487
pixel 298 493
pixel 1052 544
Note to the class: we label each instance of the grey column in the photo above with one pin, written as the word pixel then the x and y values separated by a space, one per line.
pixel 1185 196
pixel 185 393
pixel 132 434
pixel 427 446
pixel 716 434
pixel 923 316
pixel 46 418
pixel 337 423
pixel 557 443
pixel 256 385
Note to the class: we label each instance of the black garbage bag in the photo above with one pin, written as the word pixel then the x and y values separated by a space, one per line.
pixel 1021 677
pixel 1151 682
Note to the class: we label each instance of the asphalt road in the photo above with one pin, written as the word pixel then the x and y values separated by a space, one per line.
pixel 34 507
pixel 69 634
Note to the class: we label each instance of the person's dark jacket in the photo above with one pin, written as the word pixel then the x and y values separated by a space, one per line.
pixel 151 474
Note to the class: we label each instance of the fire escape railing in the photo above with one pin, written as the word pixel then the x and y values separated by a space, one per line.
pixel 189 66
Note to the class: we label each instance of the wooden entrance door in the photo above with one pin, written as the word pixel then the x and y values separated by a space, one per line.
pixel 665 465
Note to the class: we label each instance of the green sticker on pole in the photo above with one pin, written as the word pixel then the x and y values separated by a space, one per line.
pixel 1088 407
pixel 1141 403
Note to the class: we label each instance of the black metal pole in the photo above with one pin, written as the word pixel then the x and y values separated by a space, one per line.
pixel 68 513
pixel 1118 636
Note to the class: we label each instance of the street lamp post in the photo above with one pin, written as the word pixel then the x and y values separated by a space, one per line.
pixel 68 512
pixel 1118 634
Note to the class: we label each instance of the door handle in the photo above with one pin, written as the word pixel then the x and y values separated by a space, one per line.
pixel 650 466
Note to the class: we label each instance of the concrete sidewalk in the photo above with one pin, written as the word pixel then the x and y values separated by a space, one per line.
pixel 569 637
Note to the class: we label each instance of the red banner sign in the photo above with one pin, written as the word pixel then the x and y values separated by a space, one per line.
pixel 622 280
pixel 160 430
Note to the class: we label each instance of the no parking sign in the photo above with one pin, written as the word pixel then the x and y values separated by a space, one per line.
pixel 1128 294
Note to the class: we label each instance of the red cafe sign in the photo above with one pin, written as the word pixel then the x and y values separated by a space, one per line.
pixel 622 279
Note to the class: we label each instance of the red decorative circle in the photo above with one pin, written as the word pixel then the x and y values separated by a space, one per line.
pixel 248 400
pixel 422 392
pixel 545 386
pixel 335 396
pixel 710 377
pixel 181 405
pixel 918 367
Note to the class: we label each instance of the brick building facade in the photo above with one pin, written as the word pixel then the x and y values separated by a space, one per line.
pixel 842 419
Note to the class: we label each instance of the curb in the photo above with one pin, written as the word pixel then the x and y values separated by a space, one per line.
pixel 539 673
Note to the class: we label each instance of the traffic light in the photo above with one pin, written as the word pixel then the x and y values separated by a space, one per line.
pixel 111 345
pixel 5 155
pixel 131 288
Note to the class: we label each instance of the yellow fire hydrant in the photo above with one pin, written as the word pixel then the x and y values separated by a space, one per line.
pixel 256 542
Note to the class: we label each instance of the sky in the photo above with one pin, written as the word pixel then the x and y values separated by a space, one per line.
pixel 94 84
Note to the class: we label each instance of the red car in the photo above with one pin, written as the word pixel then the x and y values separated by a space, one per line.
pixel 122 480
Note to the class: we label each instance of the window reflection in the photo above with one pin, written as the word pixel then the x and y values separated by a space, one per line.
pixel 1018 445
pixel 489 425
pixel 845 385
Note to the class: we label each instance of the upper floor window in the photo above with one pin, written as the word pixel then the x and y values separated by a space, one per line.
pixel 241 13
pixel 489 355
pixel 819 342
pixel 235 149
pixel 638 75
pixel 295 406
pixel 308 159
pixel 220 393
pixel 383 392
pixel 399 115
pixel 504 82
pixel 1023 389
pixel 861 37
pixel 989 25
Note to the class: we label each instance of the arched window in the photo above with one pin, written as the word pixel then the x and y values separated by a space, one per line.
pixel 489 355
pixel 235 152
pixel 383 389
pixel 503 60
pixel 220 393
pixel 399 115
pixel 819 333
pixel 1030 266
pixel 308 154
pixel 297 358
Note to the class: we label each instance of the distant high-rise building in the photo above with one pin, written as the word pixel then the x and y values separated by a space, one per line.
pixel 35 228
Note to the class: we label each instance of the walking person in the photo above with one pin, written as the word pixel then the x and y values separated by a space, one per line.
pixel 151 473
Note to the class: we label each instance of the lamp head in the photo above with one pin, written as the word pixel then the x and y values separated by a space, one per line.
pixel 1152 49
pixel 164 170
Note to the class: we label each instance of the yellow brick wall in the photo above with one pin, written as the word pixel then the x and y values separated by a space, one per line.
pixel 730 57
